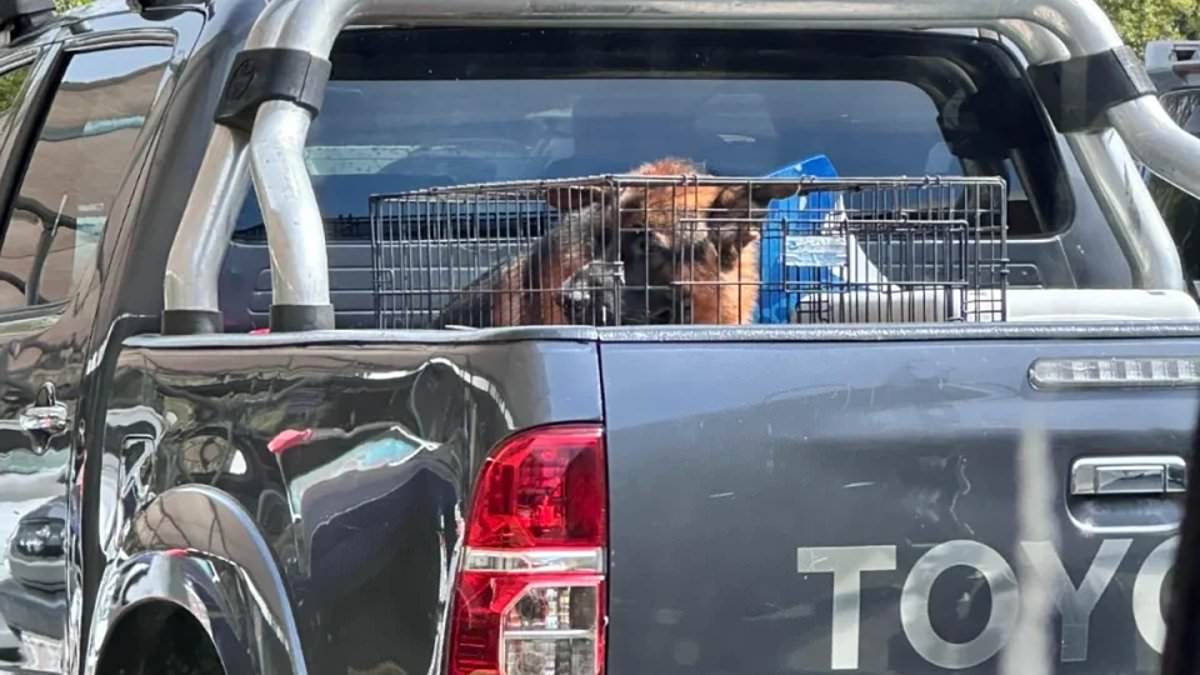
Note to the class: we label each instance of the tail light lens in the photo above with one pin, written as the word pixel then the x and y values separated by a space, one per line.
pixel 530 598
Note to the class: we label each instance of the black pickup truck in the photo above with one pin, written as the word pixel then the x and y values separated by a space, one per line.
pixel 220 454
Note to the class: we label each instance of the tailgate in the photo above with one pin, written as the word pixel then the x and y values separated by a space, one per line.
pixel 886 506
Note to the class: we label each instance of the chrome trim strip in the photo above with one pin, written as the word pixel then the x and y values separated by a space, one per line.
pixel 21 57
pixel 551 561
pixel 137 37
pixel 550 634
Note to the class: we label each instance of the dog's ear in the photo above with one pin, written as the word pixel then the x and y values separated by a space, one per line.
pixel 735 218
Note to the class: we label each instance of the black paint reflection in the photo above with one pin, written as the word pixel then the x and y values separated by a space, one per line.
pixel 351 463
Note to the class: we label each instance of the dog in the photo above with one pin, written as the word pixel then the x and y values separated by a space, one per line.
pixel 688 253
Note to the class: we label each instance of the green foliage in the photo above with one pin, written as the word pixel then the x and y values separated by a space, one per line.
pixel 1140 21
pixel 10 86
pixel 11 83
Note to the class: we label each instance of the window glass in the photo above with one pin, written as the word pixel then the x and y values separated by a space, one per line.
pixel 76 168
pixel 362 142
pixel 407 109
pixel 1184 108
pixel 463 119
pixel 12 83
pixel 1180 211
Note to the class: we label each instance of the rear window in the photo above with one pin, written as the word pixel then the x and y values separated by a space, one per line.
pixel 413 109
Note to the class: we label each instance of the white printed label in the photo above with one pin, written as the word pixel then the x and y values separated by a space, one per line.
pixel 815 251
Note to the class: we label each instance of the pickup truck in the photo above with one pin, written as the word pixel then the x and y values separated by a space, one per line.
pixel 213 458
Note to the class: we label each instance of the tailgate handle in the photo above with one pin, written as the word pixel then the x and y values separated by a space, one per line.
pixel 1129 475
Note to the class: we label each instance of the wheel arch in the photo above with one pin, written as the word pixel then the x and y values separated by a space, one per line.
pixel 224 579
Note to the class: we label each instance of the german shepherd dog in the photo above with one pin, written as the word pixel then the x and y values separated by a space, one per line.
pixel 688 253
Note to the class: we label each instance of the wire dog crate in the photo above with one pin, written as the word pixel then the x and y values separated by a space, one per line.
pixel 639 250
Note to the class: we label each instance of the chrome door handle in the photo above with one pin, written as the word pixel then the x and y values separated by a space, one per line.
pixel 1129 475
pixel 46 417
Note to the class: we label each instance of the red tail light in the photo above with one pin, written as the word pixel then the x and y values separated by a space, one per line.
pixel 530 598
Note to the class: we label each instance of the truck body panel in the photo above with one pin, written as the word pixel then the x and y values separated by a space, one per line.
pixel 363 509
pixel 876 465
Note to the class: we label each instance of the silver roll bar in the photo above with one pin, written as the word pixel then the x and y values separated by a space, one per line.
pixel 295 230
pixel 1044 31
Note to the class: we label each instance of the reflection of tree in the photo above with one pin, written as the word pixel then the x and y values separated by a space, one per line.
pixel 10 86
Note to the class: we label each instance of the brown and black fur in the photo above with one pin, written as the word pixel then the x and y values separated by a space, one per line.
pixel 689 253
pixel 529 290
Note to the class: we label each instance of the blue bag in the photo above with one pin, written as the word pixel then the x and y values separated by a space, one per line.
pixel 784 265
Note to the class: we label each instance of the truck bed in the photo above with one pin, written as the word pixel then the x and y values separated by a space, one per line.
pixel 749 480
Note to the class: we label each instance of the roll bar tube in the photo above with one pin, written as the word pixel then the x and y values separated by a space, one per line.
pixel 272 153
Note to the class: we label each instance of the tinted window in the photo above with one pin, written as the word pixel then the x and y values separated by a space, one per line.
pixel 558 128
pixel 1184 108
pixel 78 162
pixel 528 111
pixel 1180 211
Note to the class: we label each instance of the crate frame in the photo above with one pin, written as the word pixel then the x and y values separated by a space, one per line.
pixel 977 234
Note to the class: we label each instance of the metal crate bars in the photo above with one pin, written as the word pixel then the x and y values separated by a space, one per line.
pixel 644 250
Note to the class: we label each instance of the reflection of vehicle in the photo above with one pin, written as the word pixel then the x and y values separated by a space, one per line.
pixel 36 553
pixel 890 499
pixel 33 597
